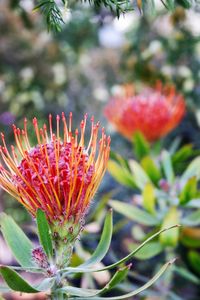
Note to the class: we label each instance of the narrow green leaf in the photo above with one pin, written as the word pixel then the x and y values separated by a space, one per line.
pixel 134 213
pixel 120 174
pixel 103 245
pixel 80 292
pixel 44 233
pixel 192 219
pixel 151 169
pixel 170 4
pixel 182 154
pixel 170 238
pixel 46 284
pixel 18 242
pixel 148 251
pixel 119 262
pixel 137 291
pixel 149 198
pixel 119 276
pixel 194 259
pixel 141 145
pixel 186 274
pixel 167 167
pixel 16 282
pixel 189 191
pixel 140 177
pixel 190 242
pixel 185 3
pixel 192 170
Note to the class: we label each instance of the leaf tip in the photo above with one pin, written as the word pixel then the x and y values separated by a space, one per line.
pixel 172 261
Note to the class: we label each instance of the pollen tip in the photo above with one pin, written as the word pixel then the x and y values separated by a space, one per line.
pixel 58 118
pixel 82 123
pixel 34 121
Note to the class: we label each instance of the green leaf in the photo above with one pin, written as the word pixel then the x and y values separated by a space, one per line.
pixel 185 3
pixel 44 233
pixel 70 270
pixel 194 259
pixel 80 292
pixel 189 191
pixel 120 174
pixel 119 276
pixel 141 145
pixel 190 242
pixel 149 198
pixel 148 251
pixel 134 213
pixel 170 238
pixel 151 169
pixel 186 274
pixel 139 175
pixel 182 154
pixel 18 242
pixel 16 282
pixel 137 291
pixel 170 4
pixel 192 170
pixel 167 167
pixel 103 245
pixel 192 219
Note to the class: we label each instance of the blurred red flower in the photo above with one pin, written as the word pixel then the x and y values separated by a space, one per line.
pixel 154 112
pixel 58 175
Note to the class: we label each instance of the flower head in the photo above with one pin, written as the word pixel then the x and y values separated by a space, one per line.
pixel 58 175
pixel 154 112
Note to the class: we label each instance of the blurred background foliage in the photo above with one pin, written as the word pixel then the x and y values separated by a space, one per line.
pixel 77 70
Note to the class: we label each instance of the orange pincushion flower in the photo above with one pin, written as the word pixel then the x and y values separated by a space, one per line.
pixel 59 176
pixel 155 112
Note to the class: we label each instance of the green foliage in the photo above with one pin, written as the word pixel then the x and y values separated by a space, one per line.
pixel 18 242
pixel 170 238
pixel 134 213
pixel 121 174
pixel 189 191
pixel 141 146
pixel 54 282
pixel 148 251
pixel 149 198
pixel 194 259
pixel 104 243
pixel 44 232
pixel 169 198
pixel 16 282
pixel 151 169
pixel 53 13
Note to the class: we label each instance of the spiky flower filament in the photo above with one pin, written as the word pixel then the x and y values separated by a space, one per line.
pixel 58 175
pixel 154 112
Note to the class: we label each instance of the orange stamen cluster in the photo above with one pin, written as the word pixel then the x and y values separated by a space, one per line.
pixel 155 112
pixel 59 176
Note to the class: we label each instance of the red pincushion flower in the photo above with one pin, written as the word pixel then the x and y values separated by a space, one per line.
pixel 59 176
pixel 154 113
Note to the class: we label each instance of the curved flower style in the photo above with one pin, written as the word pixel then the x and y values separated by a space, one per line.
pixel 154 112
pixel 59 176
